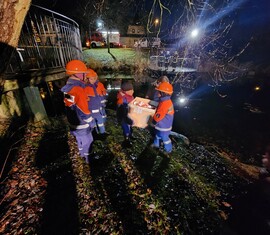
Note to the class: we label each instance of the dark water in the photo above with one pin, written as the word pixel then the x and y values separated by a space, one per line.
pixel 234 117
pixel 239 121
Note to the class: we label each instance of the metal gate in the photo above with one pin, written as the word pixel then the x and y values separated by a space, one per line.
pixel 48 40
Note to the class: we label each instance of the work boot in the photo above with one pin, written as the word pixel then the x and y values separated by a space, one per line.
pixel 126 143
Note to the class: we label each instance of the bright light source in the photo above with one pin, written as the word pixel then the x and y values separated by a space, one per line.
pixel 182 100
pixel 111 32
pixel 257 88
pixel 194 33
pixel 99 24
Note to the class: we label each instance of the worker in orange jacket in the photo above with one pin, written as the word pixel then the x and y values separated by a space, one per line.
pixel 96 101
pixel 79 116
pixel 163 117
pixel 152 93
pixel 124 97
pixel 102 92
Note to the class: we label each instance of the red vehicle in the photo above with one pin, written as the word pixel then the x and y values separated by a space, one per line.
pixel 96 40
pixel 113 37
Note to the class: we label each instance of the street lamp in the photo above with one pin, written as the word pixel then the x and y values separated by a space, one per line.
pixel 100 24
pixel 194 33
pixel 156 22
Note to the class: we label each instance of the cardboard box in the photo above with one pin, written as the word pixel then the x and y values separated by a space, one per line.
pixel 140 113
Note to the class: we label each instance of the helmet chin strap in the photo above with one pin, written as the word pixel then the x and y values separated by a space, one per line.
pixel 80 76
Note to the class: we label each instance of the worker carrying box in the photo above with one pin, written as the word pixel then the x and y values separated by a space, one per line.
pixel 141 111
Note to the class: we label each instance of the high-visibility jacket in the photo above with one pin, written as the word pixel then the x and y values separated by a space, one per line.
pixel 75 99
pixel 123 100
pixel 163 117
pixel 101 91
pixel 94 100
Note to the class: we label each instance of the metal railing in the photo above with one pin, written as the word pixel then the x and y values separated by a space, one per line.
pixel 48 40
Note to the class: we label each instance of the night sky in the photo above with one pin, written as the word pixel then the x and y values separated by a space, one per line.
pixel 251 19
pixel 251 13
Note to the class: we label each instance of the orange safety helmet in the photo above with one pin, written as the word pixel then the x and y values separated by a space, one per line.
pixel 75 66
pixel 91 73
pixel 165 87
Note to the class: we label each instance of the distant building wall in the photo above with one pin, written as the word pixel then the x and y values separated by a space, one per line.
pixel 134 34
pixel 136 30
pixel 129 41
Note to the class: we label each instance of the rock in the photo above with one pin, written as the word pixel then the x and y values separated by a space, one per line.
pixel 181 137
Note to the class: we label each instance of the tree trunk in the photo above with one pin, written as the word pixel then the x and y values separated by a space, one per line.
pixel 12 14
pixel 108 42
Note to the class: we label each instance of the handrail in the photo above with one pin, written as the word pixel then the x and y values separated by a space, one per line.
pixel 48 40
pixel 56 13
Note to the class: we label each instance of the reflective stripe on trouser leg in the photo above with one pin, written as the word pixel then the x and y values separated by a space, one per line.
pixel 79 142
pixel 164 136
pixel 168 145
pixel 157 141
pixel 88 139
pixel 104 115
pixel 100 127
pixel 84 140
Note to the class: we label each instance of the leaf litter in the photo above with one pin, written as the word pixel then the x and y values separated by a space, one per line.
pixel 125 190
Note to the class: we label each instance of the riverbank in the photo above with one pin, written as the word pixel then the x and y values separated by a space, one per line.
pixel 192 192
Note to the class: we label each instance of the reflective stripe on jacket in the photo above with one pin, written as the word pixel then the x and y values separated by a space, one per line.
pixel 76 104
pixel 163 117
pixel 101 91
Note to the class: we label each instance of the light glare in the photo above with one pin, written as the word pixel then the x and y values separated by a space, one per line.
pixel 194 33
pixel 182 100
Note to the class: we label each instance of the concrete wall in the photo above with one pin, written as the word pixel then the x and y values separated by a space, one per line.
pixel 22 96
pixel 12 104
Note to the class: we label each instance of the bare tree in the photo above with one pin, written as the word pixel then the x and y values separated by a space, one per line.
pixel 212 42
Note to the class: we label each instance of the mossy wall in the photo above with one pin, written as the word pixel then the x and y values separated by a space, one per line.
pixel 12 104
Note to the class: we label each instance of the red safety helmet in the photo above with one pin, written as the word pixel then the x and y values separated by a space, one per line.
pixel 75 66
pixel 91 73
pixel 165 87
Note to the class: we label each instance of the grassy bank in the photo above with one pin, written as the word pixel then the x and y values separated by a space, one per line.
pixel 120 60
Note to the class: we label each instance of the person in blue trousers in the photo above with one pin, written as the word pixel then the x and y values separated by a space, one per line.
pixel 124 97
pixel 79 116
pixel 96 101
pixel 163 117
